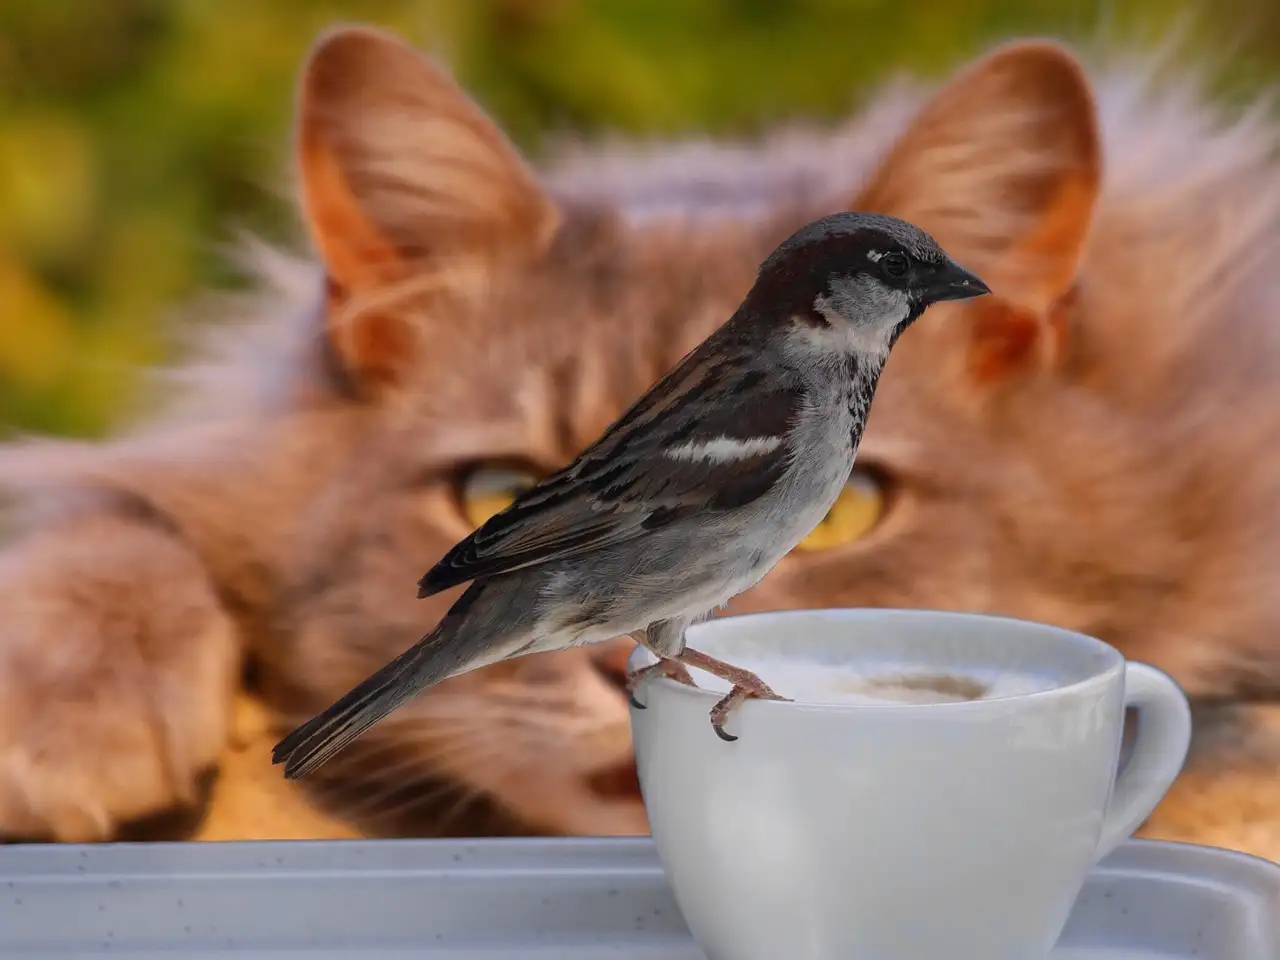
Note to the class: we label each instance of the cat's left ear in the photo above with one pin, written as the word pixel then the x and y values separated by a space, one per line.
pixel 1003 167
pixel 401 176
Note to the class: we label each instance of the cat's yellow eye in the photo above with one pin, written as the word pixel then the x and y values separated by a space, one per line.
pixel 861 504
pixel 485 491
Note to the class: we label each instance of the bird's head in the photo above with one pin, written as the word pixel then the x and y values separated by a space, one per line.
pixel 858 280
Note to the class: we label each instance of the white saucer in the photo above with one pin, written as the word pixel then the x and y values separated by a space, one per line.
pixel 567 899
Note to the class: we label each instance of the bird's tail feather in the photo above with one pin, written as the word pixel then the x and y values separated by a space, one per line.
pixel 325 734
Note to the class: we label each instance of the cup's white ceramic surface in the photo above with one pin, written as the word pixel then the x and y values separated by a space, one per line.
pixel 897 831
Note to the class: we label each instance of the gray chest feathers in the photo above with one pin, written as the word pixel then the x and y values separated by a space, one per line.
pixel 822 446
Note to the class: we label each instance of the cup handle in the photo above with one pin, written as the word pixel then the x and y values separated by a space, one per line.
pixel 1164 736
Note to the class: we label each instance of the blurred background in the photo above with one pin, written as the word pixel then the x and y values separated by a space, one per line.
pixel 136 136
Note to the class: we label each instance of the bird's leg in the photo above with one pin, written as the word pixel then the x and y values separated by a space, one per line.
pixel 664 667
pixel 665 639
pixel 746 685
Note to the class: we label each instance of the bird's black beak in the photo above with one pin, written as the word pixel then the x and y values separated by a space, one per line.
pixel 950 281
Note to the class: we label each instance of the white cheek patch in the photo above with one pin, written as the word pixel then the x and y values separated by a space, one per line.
pixel 862 313
pixel 723 449
pixel 864 301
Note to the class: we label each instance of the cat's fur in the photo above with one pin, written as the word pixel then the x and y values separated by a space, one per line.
pixel 1094 445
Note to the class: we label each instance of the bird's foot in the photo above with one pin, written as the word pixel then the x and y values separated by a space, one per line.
pixel 755 689
pixel 746 686
pixel 665 668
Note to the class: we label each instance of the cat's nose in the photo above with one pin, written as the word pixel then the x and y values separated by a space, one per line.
pixel 610 659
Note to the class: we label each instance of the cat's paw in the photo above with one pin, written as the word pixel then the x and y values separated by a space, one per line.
pixel 117 671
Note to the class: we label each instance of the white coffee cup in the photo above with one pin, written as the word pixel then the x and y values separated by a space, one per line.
pixel 890 830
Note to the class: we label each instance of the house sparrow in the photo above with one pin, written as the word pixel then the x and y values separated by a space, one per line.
pixel 693 494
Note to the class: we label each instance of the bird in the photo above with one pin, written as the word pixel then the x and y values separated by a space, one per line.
pixel 692 495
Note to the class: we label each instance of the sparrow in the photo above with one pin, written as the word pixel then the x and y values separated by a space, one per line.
pixel 692 495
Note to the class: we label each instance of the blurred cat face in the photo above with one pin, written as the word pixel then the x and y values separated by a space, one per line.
pixel 490 325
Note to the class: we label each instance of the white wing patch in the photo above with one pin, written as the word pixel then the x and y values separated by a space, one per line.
pixel 723 449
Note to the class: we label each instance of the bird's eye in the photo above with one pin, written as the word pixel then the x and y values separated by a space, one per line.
pixel 895 264
pixel 855 514
pixel 487 489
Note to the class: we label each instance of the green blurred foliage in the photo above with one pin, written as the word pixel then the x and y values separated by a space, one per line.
pixel 136 134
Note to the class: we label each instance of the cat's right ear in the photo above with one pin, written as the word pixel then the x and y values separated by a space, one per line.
pixel 402 176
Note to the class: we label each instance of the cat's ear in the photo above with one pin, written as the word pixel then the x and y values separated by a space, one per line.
pixel 1003 167
pixel 401 175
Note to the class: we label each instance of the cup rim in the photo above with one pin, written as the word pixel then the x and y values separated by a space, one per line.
pixel 1115 662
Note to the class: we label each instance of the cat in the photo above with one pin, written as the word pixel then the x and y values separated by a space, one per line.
pixel 1090 446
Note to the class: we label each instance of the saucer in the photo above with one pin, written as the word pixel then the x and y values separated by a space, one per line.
pixel 536 899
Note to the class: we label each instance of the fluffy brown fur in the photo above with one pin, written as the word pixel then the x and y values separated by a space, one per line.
pixel 1092 446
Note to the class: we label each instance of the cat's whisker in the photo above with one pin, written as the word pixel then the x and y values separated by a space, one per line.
pixel 468 798
pixel 479 744
pixel 388 801
pixel 534 699
pixel 412 767
pixel 496 754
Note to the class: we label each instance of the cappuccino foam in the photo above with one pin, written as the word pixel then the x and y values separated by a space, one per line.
pixel 882 682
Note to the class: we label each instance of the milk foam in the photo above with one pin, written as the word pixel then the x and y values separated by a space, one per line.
pixel 882 682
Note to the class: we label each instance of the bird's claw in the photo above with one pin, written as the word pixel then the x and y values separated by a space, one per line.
pixel 720 732
pixel 747 686
pixel 755 689
pixel 666 668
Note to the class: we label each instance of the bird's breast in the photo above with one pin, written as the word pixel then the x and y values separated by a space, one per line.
pixel 822 449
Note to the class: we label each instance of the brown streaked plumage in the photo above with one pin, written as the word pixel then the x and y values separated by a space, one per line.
pixel 671 513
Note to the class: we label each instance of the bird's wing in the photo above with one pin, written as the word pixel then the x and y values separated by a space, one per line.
pixel 666 458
